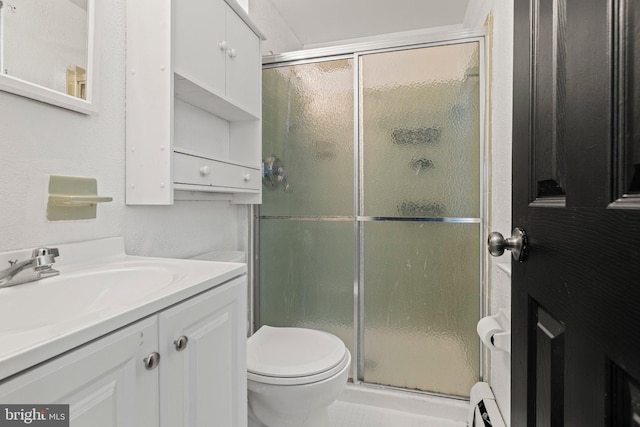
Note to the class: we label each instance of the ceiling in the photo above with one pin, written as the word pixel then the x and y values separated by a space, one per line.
pixel 324 21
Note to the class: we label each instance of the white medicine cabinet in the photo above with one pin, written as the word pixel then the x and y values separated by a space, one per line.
pixel 193 121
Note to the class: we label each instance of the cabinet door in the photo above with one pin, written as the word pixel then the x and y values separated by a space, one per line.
pixel 243 64
pixel 199 28
pixel 205 384
pixel 105 382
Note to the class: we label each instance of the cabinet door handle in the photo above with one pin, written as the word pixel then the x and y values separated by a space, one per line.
pixel 232 53
pixel 223 45
pixel 181 343
pixel 151 361
pixel 247 177
pixel 205 170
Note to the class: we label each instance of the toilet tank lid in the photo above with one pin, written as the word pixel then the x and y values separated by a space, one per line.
pixel 292 352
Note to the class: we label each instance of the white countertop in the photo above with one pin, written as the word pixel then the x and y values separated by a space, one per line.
pixel 42 319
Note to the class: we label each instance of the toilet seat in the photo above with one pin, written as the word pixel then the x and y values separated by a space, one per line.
pixel 294 356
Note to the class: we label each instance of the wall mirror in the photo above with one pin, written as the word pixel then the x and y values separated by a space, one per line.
pixel 47 52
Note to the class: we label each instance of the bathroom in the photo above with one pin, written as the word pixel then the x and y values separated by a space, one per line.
pixel 40 140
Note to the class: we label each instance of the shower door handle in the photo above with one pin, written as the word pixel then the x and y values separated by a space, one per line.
pixel 517 244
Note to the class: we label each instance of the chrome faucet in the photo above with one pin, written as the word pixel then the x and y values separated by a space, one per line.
pixel 35 268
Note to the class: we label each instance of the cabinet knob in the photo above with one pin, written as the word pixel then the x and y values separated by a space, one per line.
pixel 222 45
pixel 232 53
pixel 181 343
pixel 205 170
pixel 151 361
pixel 247 177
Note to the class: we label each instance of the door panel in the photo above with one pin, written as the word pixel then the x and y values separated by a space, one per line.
pixel 308 139
pixel 204 383
pixel 420 146
pixel 549 364
pixel 575 300
pixel 243 64
pixel 306 226
pixel 420 307
pixel 297 287
pixel 625 399
pixel 589 103
pixel 104 383
pixel 549 53
pixel 421 132
pixel 200 23
pixel 628 124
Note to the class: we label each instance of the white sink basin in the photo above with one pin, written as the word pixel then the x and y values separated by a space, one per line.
pixel 99 290
pixel 82 292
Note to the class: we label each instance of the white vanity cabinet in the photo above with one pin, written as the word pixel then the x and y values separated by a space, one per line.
pixel 203 376
pixel 199 380
pixel 105 382
pixel 194 90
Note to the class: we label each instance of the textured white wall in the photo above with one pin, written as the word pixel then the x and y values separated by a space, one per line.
pixel 37 140
pixel 500 188
pixel 185 229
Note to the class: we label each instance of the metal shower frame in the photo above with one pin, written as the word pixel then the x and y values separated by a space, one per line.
pixel 354 52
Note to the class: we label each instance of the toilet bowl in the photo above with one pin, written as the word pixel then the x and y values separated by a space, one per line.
pixel 293 375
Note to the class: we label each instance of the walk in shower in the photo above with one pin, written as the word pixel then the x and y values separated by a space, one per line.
pixel 373 215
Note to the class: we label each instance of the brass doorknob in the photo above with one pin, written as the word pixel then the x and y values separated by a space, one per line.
pixel 517 244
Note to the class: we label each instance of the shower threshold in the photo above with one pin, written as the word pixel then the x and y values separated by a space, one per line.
pixel 361 405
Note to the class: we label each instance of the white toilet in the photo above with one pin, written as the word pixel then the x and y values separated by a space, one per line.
pixel 294 374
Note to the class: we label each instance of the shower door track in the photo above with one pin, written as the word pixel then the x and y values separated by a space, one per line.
pixel 355 51
pixel 375 218
pixel 397 43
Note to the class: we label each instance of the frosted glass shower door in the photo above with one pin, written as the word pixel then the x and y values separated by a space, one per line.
pixel 372 229
pixel 307 216
pixel 420 204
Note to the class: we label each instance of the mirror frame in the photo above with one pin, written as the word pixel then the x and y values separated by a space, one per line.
pixel 43 94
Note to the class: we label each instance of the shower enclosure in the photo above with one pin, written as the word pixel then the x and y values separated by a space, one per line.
pixel 372 219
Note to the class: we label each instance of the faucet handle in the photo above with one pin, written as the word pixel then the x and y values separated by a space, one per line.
pixel 45 256
pixel 45 251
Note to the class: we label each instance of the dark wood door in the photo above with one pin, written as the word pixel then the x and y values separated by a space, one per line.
pixel 576 142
